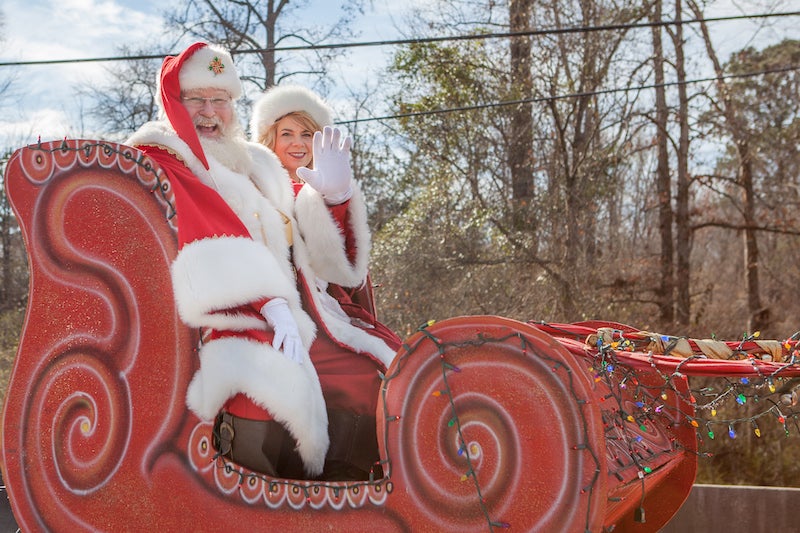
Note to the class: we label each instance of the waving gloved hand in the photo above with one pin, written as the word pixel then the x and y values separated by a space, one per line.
pixel 287 336
pixel 332 174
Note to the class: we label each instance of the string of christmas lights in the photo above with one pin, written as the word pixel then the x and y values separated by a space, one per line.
pixel 777 388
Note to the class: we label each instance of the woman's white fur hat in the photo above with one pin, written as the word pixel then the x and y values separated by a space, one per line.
pixel 278 101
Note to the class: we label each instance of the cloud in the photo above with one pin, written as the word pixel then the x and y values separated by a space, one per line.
pixel 44 101
pixel 69 29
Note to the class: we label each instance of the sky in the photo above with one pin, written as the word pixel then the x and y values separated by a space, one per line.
pixel 43 103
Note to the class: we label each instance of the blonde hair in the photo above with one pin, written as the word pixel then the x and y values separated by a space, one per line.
pixel 268 136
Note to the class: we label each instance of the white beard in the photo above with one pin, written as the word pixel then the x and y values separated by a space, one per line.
pixel 230 150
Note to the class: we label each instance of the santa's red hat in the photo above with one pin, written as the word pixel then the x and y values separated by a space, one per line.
pixel 200 66
pixel 278 101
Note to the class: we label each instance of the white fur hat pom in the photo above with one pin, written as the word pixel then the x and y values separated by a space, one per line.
pixel 278 101
pixel 210 67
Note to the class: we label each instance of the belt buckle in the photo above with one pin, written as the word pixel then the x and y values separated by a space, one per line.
pixel 225 437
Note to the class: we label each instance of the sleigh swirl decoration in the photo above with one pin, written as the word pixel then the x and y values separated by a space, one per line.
pixel 85 428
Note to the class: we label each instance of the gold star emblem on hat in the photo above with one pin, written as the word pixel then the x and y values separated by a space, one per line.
pixel 216 66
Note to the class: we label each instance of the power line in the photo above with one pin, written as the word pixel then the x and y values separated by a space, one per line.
pixel 536 33
pixel 542 99
pixel 480 36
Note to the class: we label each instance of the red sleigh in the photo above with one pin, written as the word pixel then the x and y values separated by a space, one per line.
pixel 484 423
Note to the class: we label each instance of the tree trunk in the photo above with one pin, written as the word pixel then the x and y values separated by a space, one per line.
pixel 683 245
pixel 758 315
pixel 663 182
pixel 520 150
pixel 268 56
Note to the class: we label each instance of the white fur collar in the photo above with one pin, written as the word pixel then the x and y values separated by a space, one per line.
pixel 266 171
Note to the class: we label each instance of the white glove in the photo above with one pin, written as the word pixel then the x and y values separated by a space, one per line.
pixel 332 174
pixel 287 336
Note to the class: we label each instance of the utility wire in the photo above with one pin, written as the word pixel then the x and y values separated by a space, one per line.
pixel 577 29
pixel 566 96
pixel 480 36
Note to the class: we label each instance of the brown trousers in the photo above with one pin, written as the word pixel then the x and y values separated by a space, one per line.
pixel 265 446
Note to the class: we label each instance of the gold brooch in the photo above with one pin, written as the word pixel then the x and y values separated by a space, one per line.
pixel 216 66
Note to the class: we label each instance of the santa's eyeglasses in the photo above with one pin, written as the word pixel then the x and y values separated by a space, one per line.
pixel 195 102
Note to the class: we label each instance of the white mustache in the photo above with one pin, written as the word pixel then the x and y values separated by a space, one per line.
pixel 205 122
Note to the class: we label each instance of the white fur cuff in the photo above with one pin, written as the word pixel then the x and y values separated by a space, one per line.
pixel 325 242
pixel 216 274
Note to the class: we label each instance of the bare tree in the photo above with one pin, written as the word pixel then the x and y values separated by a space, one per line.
pixel 13 271
pixel 663 180
pixel 257 27
pixel 5 81
pixel 129 100
pixel 584 150
pixel 471 169
pixel 683 243
pixel 759 316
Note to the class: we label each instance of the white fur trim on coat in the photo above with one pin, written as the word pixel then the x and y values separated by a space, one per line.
pixel 290 392
pixel 213 275
pixel 325 241
pixel 272 178
pixel 350 335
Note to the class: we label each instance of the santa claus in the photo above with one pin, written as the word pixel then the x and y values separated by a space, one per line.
pixel 281 361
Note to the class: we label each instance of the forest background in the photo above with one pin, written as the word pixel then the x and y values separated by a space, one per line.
pixel 539 160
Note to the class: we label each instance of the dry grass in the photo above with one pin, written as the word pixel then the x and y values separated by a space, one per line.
pixel 6 364
pixel 10 327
